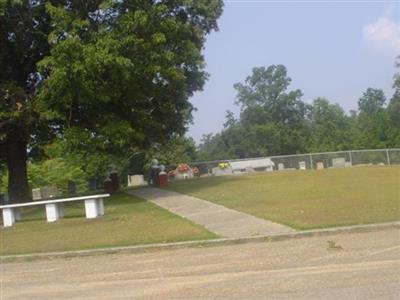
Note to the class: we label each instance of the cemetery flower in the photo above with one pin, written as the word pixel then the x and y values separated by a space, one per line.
pixel 223 165
pixel 182 168
pixel 171 174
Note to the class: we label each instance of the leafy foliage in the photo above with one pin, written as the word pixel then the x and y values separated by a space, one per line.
pixel 56 172
pixel 107 78
pixel 178 150
pixel 330 127
pixel 275 121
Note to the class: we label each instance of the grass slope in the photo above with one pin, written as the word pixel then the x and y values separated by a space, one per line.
pixel 307 199
pixel 127 221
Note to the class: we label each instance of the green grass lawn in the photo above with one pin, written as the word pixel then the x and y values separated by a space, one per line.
pixel 127 221
pixel 307 199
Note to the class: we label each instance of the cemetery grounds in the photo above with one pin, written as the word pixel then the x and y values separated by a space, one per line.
pixel 300 199
pixel 306 199
pixel 128 221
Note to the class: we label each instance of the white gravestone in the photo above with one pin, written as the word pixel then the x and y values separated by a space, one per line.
pixel 184 175
pixel 136 180
pixel 320 165
pixel 217 171
pixel 49 192
pixel 339 162
pixel 36 194
pixel 281 167
pixel 302 165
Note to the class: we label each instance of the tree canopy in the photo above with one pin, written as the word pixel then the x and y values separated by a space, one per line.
pixel 102 76
pixel 275 120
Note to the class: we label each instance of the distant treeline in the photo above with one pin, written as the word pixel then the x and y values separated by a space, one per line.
pixel 275 120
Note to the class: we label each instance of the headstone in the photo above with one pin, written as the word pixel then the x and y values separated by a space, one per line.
pixel 92 184
pixel 154 170
pixel 339 162
pixel 36 194
pixel 217 171
pixel 2 199
pixel 320 165
pixel 108 186
pixel 49 192
pixel 183 171
pixel 136 180
pixel 347 164
pixel 184 175
pixel 115 180
pixel 71 187
pixel 281 166
pixel 269 169
pixel 6 198
pixel 302 165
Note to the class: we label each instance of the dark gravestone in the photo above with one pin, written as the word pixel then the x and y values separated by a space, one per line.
pixel 114 180
pixel 108 186
pixel 71 187
pixel 92 184
pixel 2 199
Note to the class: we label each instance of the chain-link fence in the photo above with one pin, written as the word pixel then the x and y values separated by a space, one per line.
pixel 339 159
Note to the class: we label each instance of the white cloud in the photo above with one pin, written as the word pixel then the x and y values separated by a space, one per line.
pixel 383 34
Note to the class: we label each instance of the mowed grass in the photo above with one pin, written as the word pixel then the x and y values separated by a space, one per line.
pixel 127 221
pixel 307 199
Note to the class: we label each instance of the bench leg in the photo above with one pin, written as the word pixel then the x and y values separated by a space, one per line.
pixel 100 207
pixel 91 209
pixel 8 217
pixel 52 212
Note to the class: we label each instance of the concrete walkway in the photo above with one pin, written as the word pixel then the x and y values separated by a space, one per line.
pixel 223 221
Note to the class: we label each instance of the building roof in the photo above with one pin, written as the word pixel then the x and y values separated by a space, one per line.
pixel 253 163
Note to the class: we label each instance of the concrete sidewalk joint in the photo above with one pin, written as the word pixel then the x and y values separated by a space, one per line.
pixel 221 220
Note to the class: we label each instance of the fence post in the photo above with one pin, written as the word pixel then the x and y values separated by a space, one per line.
pixel 311 162
pixel 387 157
pixel 351 158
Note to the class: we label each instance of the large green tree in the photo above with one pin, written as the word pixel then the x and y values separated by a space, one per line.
pixel 372 121
pixel 105 76
pixel 266 101
pixel 273 119
pixel 330 127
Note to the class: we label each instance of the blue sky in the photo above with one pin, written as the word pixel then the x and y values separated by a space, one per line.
pixel 334 49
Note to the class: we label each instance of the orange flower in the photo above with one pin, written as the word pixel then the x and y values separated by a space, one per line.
pixel 182 168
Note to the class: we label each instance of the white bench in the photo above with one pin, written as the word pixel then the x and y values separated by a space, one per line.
pixel 94 207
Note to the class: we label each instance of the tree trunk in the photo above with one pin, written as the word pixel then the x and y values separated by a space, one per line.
pixel 18 189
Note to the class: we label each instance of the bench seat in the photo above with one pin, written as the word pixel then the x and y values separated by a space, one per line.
pixel 94 207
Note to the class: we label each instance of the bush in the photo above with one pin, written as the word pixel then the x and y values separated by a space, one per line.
pixel 56 172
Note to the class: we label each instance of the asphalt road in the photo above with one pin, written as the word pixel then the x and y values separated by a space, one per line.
pixel 343 266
